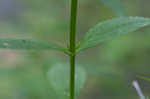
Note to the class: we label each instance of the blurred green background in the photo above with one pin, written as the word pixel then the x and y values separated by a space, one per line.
pixel 111 67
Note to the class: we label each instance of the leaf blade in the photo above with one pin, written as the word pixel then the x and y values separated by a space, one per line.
pixel 59 78
pixel 110 29
pixel 27 44
pixel 144 78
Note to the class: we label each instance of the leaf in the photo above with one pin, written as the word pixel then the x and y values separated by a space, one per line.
pixel 26 44
pixel 59 76
pixel 115 5
pixel 110 29
pixel 144 78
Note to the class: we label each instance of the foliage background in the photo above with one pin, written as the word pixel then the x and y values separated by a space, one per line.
pixel 111 67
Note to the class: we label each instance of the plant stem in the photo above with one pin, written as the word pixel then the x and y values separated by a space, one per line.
pixel 74 4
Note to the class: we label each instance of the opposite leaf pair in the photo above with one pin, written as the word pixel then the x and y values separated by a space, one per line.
pixel 103 31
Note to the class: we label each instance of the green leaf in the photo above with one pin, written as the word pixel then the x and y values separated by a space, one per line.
pixel 110 29
pixel 59 76
pixel 115 5
pixel 144 78
pixel 26 44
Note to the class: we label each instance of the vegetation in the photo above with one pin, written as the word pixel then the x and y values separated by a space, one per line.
pixel 44 76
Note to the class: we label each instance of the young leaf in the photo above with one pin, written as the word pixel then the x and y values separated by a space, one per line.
pixel 110 29
pixel 59 77
pixel 144 78
pixel 115 5
pixel 29 45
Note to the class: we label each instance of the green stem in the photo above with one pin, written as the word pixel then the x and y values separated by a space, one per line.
pixel 74 4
